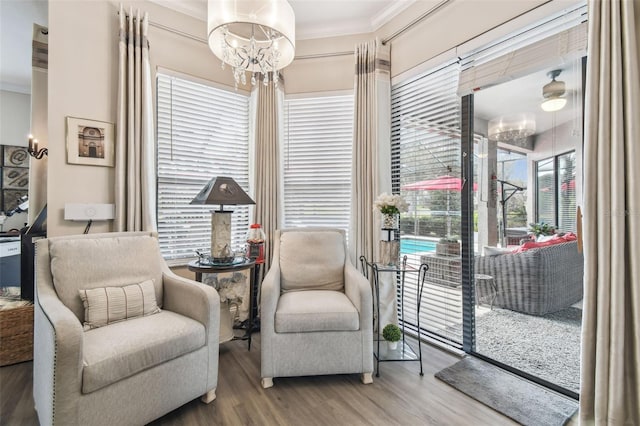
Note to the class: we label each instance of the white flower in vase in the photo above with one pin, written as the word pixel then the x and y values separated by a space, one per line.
pixel 390 205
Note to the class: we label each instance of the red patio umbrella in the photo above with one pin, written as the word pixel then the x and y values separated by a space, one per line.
pixel 442 183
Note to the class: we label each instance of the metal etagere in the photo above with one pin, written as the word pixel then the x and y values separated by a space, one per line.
pixel 404 352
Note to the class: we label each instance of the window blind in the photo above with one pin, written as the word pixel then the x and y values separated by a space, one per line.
pixel 203 132
pixel 556 191
pixel 425 146
pixel 557 40
pixel 567 192
pixel 317 161
pixel 425 137
pixel 546 191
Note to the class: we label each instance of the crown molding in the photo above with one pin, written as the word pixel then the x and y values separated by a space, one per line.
pixel 198 9
pixel 194 8
pixel 336 29
pixel 388 13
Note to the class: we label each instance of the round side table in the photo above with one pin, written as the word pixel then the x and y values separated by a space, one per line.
pixel 254 278
pixel 487 283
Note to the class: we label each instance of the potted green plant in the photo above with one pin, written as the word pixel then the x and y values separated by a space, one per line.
pixel 392 334
pixel 541 228
pixel 448 246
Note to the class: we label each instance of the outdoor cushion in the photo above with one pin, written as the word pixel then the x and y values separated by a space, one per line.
pixel 557 239
pixel 315 310
pixel 122 349
pixel 306 264
pixel 496 251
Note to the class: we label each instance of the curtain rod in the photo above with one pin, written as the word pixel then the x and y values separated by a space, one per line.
pixel 173 30
pixel 415 21
pixel 178 32
pixel 386 40
pixel 319 55
pixel 325 55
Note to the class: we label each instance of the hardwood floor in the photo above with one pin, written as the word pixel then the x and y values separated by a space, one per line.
pixel 398 397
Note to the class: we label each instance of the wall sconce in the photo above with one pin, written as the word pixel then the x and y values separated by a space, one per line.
pixel 34 151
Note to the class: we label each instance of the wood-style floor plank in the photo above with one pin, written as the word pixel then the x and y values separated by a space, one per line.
pixel 398 397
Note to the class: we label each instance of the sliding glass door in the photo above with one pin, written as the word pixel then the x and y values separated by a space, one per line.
pixel 487 149
pixel 527 270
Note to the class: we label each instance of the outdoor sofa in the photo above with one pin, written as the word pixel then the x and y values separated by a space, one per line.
pixel 534 281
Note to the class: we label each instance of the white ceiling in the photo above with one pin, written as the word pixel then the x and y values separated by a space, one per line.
pixel 525 95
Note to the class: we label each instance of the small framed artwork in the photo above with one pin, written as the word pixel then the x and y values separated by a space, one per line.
pixel 90 142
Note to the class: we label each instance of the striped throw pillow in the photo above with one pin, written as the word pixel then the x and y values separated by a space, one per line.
pixel 106 305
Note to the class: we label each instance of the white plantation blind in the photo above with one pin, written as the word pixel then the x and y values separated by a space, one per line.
pixel 567 192
pixel 425 145
pixel 559 39
pixel 203 132
pixel 317 161
pixel 546 191
pixel 556 191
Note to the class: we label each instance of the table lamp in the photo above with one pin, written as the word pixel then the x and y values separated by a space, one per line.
pixel 221 190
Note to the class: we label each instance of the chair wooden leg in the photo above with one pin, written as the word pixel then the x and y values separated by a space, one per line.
pixel 267 382
pixel 209 396
pixel 367 378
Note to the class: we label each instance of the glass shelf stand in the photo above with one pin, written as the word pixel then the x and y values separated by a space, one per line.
pixel 404 351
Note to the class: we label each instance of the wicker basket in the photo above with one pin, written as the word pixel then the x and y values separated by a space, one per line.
pixel 16 335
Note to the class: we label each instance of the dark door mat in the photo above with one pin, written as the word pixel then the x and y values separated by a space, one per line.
pixel 513 396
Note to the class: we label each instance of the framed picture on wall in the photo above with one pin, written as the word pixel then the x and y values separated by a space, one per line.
pixel 90 142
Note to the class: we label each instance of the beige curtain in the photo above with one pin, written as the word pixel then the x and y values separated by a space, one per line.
pixel 610 369
pixel 267 164
pixel 135 183
pixel 371 170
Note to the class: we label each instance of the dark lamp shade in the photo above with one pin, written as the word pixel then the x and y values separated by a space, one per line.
pixel 222 190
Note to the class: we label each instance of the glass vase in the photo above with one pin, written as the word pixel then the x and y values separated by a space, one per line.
pixel 389 221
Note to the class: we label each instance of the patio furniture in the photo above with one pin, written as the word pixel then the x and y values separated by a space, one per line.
pixel 104 353
pixel 489 289
pixel 537 281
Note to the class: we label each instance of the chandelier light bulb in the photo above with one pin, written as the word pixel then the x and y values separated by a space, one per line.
pixel 512 128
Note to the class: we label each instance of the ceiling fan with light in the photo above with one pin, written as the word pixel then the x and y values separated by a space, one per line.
pixel 553 93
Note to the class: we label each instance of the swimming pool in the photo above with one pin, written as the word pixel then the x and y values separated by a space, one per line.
pixel 412 245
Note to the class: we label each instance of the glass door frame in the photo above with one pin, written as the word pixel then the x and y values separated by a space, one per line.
pixel 468 289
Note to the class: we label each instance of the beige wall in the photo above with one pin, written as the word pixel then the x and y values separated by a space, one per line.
pixel 450 26
pixel 83 82
pixel 323 74
pixel 83 67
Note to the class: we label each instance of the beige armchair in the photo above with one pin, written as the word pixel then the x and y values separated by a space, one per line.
pixel 316 311
pixel 112 357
